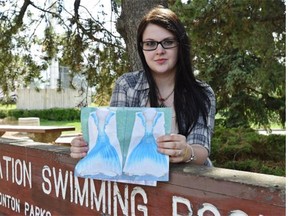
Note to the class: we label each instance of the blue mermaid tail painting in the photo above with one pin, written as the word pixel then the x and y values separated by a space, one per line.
pixel 122 144
pixel 104 157
pixel 143 158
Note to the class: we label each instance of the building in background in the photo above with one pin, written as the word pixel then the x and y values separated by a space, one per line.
pixel 54 90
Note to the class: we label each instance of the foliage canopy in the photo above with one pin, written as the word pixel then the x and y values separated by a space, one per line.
pixel 238 47
pixel 32 34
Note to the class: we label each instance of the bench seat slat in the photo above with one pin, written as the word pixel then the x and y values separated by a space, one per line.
pixel 47 134
pixel 35 129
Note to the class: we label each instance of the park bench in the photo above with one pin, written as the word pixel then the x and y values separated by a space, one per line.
pixel 46 134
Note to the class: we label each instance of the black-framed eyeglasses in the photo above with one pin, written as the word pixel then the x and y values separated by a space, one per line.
pixel 152 45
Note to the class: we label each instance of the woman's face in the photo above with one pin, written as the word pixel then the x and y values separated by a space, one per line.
pixel 161 61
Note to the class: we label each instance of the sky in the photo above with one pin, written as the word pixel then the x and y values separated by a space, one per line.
pixel 94 6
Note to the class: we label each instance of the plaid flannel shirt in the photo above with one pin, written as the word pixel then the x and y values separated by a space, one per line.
pixel 132 89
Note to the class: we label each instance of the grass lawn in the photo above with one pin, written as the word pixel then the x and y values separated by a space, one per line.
pixel 44 122
pixel 8 106
pixel 76 124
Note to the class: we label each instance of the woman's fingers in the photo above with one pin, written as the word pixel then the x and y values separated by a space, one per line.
pixel 173 145
pixel 79 154
pixel 78 147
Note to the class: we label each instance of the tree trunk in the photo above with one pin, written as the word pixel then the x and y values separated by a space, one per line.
pixel 127 24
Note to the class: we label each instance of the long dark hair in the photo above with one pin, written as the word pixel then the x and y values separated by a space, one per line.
pixel 190 97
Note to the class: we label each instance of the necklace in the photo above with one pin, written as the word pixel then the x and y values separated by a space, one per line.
pixel 162 100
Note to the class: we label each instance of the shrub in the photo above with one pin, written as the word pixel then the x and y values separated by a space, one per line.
pixel 245 149
pixel 3 113
pixel 54 114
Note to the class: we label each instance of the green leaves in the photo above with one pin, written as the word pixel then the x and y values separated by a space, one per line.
pixel 74 34
pixel 238 47
pixel 245 149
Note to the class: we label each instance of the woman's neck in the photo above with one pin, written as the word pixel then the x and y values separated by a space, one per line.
pixel 165 83
pixel 165 89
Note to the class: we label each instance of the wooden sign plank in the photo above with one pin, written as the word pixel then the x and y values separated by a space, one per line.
pixel 38 179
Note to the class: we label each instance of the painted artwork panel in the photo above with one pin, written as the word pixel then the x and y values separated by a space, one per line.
pixel 122 144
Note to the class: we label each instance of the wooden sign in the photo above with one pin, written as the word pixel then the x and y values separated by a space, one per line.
pixel 38 179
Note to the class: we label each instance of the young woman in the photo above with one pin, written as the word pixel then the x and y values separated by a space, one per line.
pixel 167 80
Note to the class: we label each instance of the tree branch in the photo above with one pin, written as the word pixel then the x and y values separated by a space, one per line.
pixel 76 8
pixel 19 18
pixel 75 19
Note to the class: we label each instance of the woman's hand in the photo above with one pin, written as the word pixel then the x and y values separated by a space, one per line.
pixel 79 147
pixel 178 150
pixel 175 146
